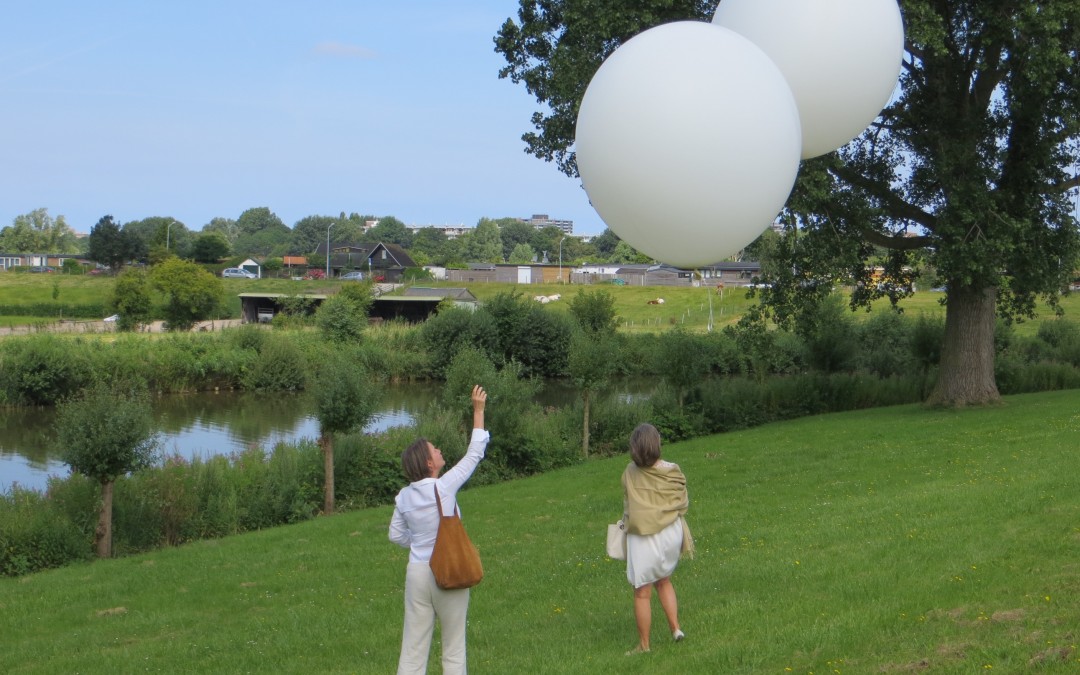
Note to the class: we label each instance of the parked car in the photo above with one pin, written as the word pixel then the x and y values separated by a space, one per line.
pixel 237 273
pixel 355 275
pixel 42 269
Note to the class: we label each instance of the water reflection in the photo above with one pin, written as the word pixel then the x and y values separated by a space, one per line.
pixel 207 424
pixel 194 425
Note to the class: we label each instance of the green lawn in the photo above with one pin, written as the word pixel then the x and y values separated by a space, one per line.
pixel 894 540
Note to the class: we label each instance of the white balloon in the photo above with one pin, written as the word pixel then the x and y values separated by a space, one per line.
pixel 688 142
pixel 840 57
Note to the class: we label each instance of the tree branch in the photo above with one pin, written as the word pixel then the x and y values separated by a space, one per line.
pixel 1069 184
pixel 891 241
pixel 890 201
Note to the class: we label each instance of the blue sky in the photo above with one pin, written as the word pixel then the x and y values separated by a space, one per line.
pixel 205 108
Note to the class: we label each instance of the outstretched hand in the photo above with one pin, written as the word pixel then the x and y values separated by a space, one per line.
pixel 479 400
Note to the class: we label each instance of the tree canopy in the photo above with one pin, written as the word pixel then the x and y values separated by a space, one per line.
pixel 109 245
pixel 970 169
pixel 38 232
pixel 191 293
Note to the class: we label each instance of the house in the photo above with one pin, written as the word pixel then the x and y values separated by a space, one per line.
pixel 56 260
pixel 388 261
pixel 654 275
pixel 730 273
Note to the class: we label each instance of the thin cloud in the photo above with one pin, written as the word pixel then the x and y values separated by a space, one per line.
pixel 344 50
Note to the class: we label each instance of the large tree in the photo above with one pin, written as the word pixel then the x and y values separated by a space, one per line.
pixel 484 243
pixel 38 232
pixel 390 230
pixel 971 166
pixel 109 245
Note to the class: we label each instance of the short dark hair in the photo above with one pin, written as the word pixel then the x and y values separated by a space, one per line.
pixel 414 461
pixel 645 445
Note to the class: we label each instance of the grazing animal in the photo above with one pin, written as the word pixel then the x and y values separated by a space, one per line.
pixel 658 301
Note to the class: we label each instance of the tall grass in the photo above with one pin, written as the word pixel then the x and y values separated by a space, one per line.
pixel 891 540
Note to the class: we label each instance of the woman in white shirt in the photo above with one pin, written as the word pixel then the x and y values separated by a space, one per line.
pixel 414 525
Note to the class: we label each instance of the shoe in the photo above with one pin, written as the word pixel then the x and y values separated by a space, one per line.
pixel 637 650
pixel 678 636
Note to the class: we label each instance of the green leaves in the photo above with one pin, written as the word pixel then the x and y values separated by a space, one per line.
pixel 105 433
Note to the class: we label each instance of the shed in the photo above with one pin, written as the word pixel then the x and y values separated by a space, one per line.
pixel 251 266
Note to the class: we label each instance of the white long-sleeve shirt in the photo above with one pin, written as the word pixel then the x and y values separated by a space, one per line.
pixel 416 520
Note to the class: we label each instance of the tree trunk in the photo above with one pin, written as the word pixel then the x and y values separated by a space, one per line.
pixel 103 533
pixel 585 424
pixel 327 445
pixel 966 373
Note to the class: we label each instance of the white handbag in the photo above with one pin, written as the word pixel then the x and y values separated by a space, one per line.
pixel 616 541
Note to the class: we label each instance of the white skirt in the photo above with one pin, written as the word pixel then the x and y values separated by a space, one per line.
pixel 652 557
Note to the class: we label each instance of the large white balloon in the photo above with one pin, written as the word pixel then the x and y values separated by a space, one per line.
pixel 688 142
pixel 840 57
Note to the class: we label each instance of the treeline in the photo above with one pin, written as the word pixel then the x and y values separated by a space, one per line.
pixel 706 383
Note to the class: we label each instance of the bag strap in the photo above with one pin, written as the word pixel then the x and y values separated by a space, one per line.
pixel 438 502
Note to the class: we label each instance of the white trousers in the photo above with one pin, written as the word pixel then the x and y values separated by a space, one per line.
pixel 424 600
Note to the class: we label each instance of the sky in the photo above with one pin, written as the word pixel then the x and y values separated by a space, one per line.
pixel 206 108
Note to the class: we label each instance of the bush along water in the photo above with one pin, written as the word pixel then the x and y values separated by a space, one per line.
pixel 706 383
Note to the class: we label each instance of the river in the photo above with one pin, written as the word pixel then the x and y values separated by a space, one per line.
pixel 207 424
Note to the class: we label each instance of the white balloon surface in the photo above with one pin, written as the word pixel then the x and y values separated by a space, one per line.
pixel 841 59
pixel 688 142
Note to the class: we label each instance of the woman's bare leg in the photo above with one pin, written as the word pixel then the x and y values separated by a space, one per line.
pixel 665 590
pixel 643 614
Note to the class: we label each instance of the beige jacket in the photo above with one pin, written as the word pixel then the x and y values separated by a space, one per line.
pixel 654 498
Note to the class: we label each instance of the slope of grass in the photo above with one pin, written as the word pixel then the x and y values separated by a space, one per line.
pixel 890 540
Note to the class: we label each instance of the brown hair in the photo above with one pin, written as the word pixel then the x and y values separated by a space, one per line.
pixel 414 461
pixel 645 445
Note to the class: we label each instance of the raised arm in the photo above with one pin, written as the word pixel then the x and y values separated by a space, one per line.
pixel 479 400
pixel 456 477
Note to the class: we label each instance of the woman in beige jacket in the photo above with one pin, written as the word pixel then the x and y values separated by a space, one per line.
pixel 654 507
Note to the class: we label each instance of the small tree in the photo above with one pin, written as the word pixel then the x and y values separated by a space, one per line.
pixel 592 362
pixel 104 434
pixel 191 293
pixel 210 247
pixel 682 360
pixel 522 253
pixel 595 311
pixel 342 317
pixel 131 300
pixel 345 399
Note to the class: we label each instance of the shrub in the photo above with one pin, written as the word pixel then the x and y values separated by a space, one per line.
pixel 831 341
pixel 925 340
pixel 40 370
pixel 280 366
pixel 611 421
pixel 367 469
pixel 36 535
pixel 885 344
pixel 454 329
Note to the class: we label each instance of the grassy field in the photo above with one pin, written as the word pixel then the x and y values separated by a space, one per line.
pixel 689 307
pixel 894 540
